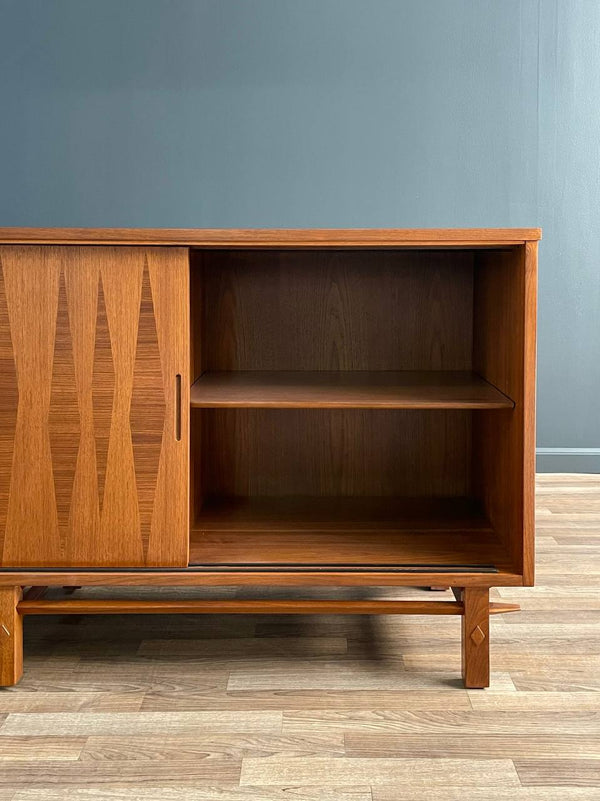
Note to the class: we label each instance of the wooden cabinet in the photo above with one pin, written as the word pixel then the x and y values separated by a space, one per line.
pixel 300 408
pixel 94 350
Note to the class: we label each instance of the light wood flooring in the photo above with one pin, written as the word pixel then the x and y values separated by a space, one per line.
pixel 296 708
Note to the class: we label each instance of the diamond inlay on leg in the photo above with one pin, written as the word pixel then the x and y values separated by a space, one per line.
pixel 477 635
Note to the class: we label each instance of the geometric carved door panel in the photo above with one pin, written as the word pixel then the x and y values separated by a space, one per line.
pixel 94 399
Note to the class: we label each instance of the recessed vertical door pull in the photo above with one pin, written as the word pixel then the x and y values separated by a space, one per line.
pixel 178 407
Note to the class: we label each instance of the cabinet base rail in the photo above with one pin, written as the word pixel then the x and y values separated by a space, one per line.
pixel 39 606
pixel 471 604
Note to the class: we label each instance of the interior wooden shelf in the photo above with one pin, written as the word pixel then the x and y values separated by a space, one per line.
pixel 346 533
pixel 426 389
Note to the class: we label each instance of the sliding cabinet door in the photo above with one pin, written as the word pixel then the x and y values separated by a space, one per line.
pixel 94 386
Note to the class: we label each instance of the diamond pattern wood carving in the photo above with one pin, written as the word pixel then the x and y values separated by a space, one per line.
pixel 147 417
pixel 477 635
pixel 103 387
pixel 64 420
pixel 91 340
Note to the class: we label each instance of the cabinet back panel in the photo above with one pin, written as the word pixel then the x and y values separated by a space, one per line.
pixel 332 310
pixel 342 452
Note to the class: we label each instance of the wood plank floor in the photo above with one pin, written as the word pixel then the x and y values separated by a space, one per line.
pixel 297 708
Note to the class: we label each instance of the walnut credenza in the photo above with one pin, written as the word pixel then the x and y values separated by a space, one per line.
pixel 268 407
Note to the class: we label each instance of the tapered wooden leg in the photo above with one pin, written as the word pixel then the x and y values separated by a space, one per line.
pixel 11 636
pixel 476 637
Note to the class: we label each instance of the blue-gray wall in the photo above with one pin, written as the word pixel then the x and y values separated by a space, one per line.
pixel 326 113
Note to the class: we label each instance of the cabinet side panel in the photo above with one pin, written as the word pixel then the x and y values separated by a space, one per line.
pixel 98 335
pixel 505 301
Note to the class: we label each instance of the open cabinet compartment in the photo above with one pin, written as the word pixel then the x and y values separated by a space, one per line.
pixel 358 410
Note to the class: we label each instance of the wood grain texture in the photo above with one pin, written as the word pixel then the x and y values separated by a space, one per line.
pixel 504 354
pixel 482 793
pixel 259 607
pixel 576 772
pixel 195 577
pixel 475 637
pixel 283 771
pixel 339 310
pixel 9 393
pixel 170 283
pixel 63 419
pixel 164 606
pixel 147 414
pixel 338 531
pixel 490 746
pixel 450 723
pixel 336 452
pixel 139 723
pixel 94 386
pixel 11 636
pixel 210 746
pixel 31 533
pixel 285 237
pixel 70 702
pixel 25 749
pixel 91 339
pixel 209 791
pixel 444 389
pixel 294 514
pixel 67 773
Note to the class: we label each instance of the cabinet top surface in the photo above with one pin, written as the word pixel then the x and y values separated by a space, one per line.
pixel 274 237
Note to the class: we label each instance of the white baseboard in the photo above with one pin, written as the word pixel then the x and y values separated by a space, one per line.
pixel 568 460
